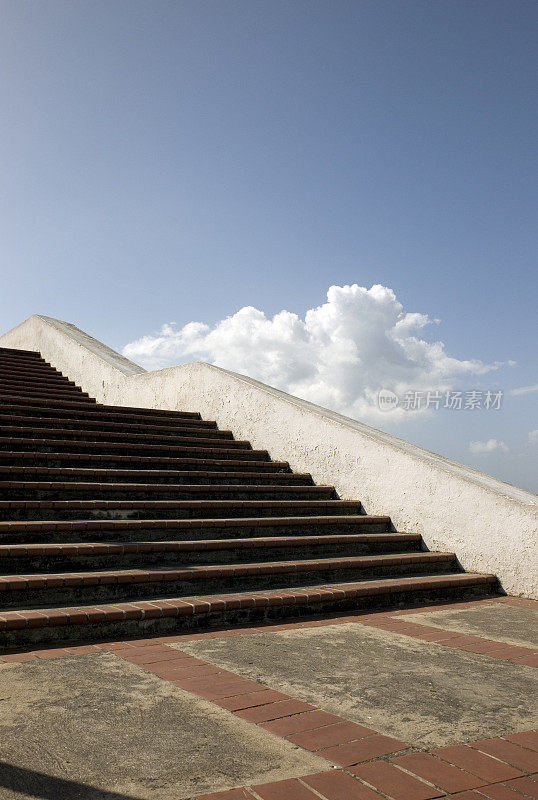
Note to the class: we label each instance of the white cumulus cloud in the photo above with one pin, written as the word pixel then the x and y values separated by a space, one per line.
pixel 525 390
pixel 533 437
pixel 339 355
pixel 488 447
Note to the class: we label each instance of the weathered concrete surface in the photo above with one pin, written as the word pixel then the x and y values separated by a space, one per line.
pixel 419 692
pixel 94 726
pixel 498 621
pixel 489 524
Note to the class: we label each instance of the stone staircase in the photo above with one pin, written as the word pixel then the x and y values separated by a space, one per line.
pixel 122 522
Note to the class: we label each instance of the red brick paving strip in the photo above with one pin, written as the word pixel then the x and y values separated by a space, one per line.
pixel 275 711
pixel 528 739
pixel 233 794
pixel 509 752
pixel 477 763
pixel 397 784
pixel 337 785
pixel 445 776
pixel 499 791
pixel 362 750
pixel 285 790
pixel 300 722
pixel 330 735
pixel 526 785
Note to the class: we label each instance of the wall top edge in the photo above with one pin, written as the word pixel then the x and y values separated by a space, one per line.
pixel 82 339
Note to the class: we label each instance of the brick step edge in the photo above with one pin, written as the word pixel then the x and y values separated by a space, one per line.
pixel 100 407
pixel 25 421
pixel 21 583
pixel 93 415
pixel 82 472
pixel 82 486
pixel 28 455
pixel 205 437
pixel 188 607
pixel 209 522
pixel 113 548
pixel 16 351
pixel 75 505
pixel 14 398
pixel 113 448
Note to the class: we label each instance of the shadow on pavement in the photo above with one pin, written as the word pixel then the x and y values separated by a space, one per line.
pixel 37 784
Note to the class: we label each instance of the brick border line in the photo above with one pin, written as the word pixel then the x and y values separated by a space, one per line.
pixel 371 764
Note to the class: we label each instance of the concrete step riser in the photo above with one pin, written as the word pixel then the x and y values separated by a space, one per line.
pixel 163 626
pixel 228 478
pixel 54 381
pixel 23 360
pixel 172 560
pixel 75 446
pixel 87 461
pixel 125 592
pixel 98 408
pixel 191 534
pixel 222 492
pixel 102 426
pixel 78 400
pixel 175 512
pixel 140 439
pixel 95 416
pixel 65 390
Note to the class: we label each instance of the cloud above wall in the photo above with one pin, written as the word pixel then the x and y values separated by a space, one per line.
pixel 525 390
pixel 490 446
pixel 340 355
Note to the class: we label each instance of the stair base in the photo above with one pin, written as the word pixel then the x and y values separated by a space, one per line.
pixel 25 629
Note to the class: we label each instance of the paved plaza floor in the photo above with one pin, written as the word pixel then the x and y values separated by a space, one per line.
pixel 430 702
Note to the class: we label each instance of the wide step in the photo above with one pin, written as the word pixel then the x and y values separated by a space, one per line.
pixel 158 617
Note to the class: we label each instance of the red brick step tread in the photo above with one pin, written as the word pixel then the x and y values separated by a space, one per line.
pixel 103 577
pixel 99 458
pixel 72 486
pixel 79 400
pixel 100 407
pixel 131 436
pixel 36 423
pixel 105 548
pixel 139 474
pixel 185 606
pixel 19 352
pixel 78 445
pixel 97 413
pixel 179 504
pixel 74 525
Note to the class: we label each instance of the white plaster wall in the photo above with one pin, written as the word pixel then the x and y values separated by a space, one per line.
pixel 490 525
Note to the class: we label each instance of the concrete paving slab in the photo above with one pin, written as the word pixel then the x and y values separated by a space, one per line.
pixel 498 621
pixel 416 691
pixel 94 727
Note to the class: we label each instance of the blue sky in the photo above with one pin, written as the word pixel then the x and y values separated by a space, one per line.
pixel 177 161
